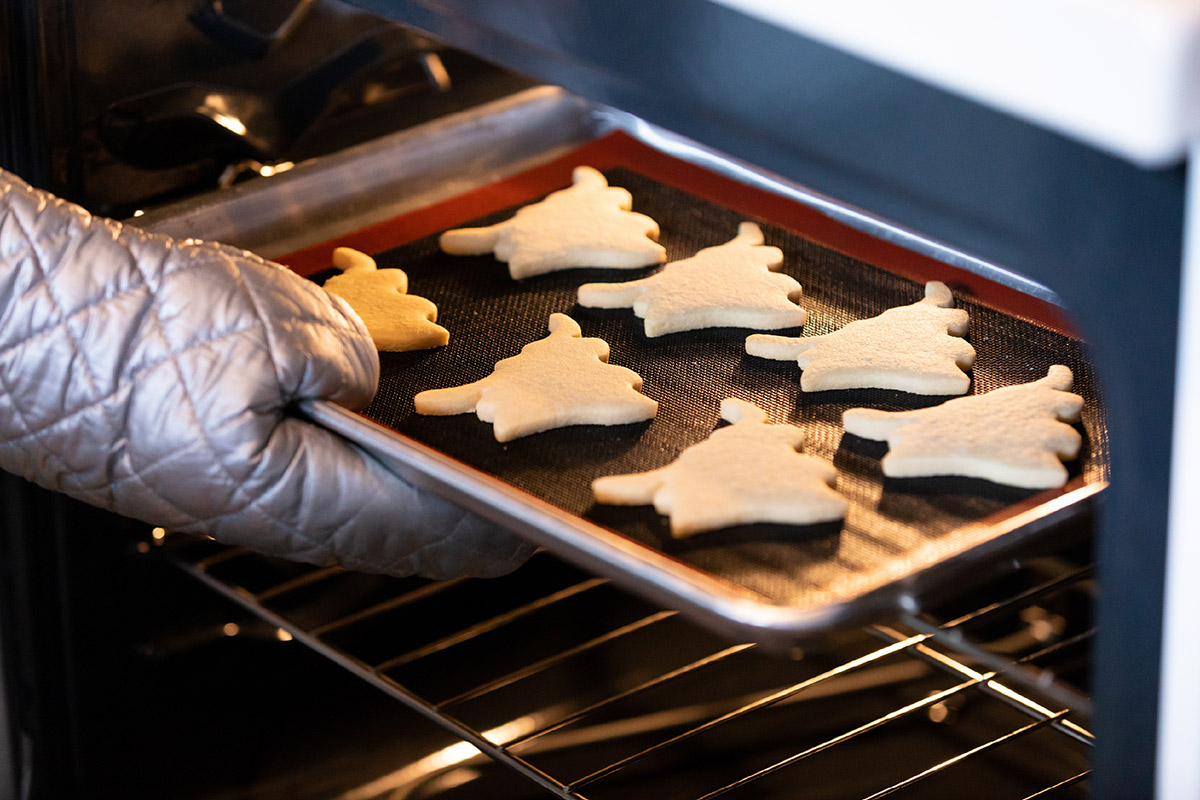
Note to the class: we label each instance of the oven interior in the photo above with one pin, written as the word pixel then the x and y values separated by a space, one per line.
pixel 213 672
pixel 149 663
pixel 206 671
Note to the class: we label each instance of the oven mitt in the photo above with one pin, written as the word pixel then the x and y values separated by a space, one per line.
pixel 153 377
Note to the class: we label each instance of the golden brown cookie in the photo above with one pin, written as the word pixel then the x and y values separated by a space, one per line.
pixel 396 320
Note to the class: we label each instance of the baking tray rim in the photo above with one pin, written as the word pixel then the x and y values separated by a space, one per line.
pixel 719 603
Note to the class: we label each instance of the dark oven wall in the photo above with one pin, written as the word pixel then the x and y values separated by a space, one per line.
pixel 124 677
pixel 89 702
pixel 126 104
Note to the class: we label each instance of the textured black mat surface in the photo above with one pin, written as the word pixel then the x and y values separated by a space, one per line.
pixel 490 316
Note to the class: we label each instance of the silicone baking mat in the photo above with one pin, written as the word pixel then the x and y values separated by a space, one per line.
pixel 894 530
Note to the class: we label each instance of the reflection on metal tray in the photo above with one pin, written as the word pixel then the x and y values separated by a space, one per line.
pixel 773 584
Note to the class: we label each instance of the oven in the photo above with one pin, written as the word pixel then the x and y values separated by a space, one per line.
pixel 142 662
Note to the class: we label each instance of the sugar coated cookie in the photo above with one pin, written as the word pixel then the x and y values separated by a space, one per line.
pixel 1017 435
pixel 916 348
pixel 586 225
pixel 395 319
pixel 558 381
pixel 731 285
pixel 748 472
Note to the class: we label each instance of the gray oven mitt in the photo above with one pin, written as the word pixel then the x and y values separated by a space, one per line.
pixel 153 377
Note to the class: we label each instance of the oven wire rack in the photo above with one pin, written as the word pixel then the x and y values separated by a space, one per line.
pixel 1014 650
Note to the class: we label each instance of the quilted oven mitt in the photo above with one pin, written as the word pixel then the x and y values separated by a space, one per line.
pixel 153 377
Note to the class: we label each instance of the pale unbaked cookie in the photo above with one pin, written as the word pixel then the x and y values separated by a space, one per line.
pixel 916 348
pixel 586 225
pixel 746 473
pixel 554 382
pixel 730 285
pixel 1017 435
pixel 395 319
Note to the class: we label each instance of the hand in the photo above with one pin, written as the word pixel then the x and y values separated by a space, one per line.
pixel 153 377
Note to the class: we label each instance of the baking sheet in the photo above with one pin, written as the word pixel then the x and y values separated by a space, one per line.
pixel 899 539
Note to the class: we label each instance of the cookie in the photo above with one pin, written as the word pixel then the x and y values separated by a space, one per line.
pixel 730 285
pixel 561 380
pixel 587 225
pixel 746 473
pixel 396 320
pixel 915 348
pixel 1017 436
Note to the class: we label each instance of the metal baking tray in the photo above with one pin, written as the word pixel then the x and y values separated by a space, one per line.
pixel 900 541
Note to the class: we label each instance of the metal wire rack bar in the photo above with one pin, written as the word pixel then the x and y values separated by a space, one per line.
pixel 1061 644
pixel 865 678
pixel 992 687
pixel 391 688
pixel 878 722
pixel 499 743
pixel 1039 592
pixel 221 556
pixel 1015 671
pixel 299 582
pixel 558 658
pixel 1051 790
pixel 950 634
pixel 492 624
pixel 641 688
pixel 761 703
pixel 407 598
pixel 950 762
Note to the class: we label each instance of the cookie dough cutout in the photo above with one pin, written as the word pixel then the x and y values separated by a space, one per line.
pixel 915 348
pixel 1017 436
pixel 396 320
pixel 561 380
pixel 746 473
pixel 588 224
pixel 732 285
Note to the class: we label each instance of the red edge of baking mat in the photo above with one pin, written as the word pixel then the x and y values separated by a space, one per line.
pixel 621 150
